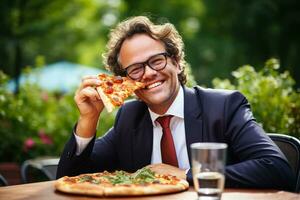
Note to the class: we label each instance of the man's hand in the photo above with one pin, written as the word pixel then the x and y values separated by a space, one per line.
pixel 168 169
pixel 89 105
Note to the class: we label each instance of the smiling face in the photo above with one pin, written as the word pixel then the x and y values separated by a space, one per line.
pixel 161 86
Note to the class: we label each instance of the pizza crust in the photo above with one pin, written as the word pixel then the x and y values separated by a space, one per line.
pixel 106 101
pixel 145 190
pixel 83 189
pixel 119 190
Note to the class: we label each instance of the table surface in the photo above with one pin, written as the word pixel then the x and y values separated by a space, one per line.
pixel 45 190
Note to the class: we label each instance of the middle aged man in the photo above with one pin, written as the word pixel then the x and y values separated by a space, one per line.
pixel 153 54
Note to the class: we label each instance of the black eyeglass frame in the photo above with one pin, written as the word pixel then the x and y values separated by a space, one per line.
pixel 147 62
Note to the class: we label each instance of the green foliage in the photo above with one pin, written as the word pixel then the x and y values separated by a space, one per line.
pixel 275 103
pixel 61 30
pixel 190 77
pixel 218 35
pixel 36 122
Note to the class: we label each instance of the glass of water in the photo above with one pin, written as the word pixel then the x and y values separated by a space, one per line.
pixel 208 167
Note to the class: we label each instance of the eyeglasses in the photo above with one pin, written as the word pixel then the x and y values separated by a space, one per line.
pixel 156 62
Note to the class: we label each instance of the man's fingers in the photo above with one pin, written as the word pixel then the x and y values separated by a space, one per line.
pixel 88 92
pixel 89 77
pixel 90 80
pixel 90 83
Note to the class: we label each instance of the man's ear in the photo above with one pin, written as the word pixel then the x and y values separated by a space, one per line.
pixel 176 63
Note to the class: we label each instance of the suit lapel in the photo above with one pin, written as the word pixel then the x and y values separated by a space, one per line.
pixel 192 118
pixel 142 142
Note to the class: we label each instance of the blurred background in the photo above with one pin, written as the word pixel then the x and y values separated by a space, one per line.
pixel 47 45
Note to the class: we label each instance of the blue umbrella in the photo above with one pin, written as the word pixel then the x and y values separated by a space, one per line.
pixel 60 76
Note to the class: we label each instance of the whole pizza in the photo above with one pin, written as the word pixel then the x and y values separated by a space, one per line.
pixel 121 183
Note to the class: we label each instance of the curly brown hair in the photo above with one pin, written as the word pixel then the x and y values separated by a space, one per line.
pixel 166 33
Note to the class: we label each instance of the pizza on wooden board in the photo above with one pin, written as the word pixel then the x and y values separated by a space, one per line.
pixel 113 90
pixel 121 183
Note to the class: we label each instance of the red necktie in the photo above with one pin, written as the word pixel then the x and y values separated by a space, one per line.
pixel 168 152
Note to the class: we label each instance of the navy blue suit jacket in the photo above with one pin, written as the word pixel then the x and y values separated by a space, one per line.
pixel 210 116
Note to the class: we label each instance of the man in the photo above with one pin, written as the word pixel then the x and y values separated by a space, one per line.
pixel 153 54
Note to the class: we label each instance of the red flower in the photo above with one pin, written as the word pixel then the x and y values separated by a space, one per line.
pixel 46 139
pixel 44 96
pixel 29 143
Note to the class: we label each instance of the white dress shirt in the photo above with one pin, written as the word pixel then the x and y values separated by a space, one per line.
pixel 177 129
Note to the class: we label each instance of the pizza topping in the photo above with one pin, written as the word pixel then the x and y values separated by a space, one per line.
pixel 117 100
pixel 88 178
pixel 109 90
pixel 120 177
pixel 95 181
pixel 118 79
pixel 109 83
pixel 102 75
pixel 115 89
pixel 144 175
pixel 85 178
pixel 141 177
pixel 70 180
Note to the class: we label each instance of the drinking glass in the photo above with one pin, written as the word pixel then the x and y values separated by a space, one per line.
pixel 208 167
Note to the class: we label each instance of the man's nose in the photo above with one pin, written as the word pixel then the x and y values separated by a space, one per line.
pixel 149 72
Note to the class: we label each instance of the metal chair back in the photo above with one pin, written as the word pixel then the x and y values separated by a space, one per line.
pixel 3 181
pixel 39 169
pixel 290 147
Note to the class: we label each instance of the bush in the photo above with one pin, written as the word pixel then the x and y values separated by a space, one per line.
pixel 274 101
pixel 36 122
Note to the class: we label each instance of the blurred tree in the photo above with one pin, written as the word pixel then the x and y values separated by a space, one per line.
pixel 242 32
pixel 219 35
pixel 59 30
pixel 268 28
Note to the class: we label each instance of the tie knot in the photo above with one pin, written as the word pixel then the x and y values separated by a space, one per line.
pixel 164 121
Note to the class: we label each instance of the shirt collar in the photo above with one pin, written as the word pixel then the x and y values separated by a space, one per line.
pixel 176 108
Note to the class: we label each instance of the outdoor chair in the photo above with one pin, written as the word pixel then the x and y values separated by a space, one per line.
pixel 3 181
pixel 290 146
pixel 39 169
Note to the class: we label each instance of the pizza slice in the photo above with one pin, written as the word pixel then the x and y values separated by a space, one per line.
pixel 115 89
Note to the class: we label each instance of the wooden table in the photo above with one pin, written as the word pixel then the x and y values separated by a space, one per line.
pixel 45 190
